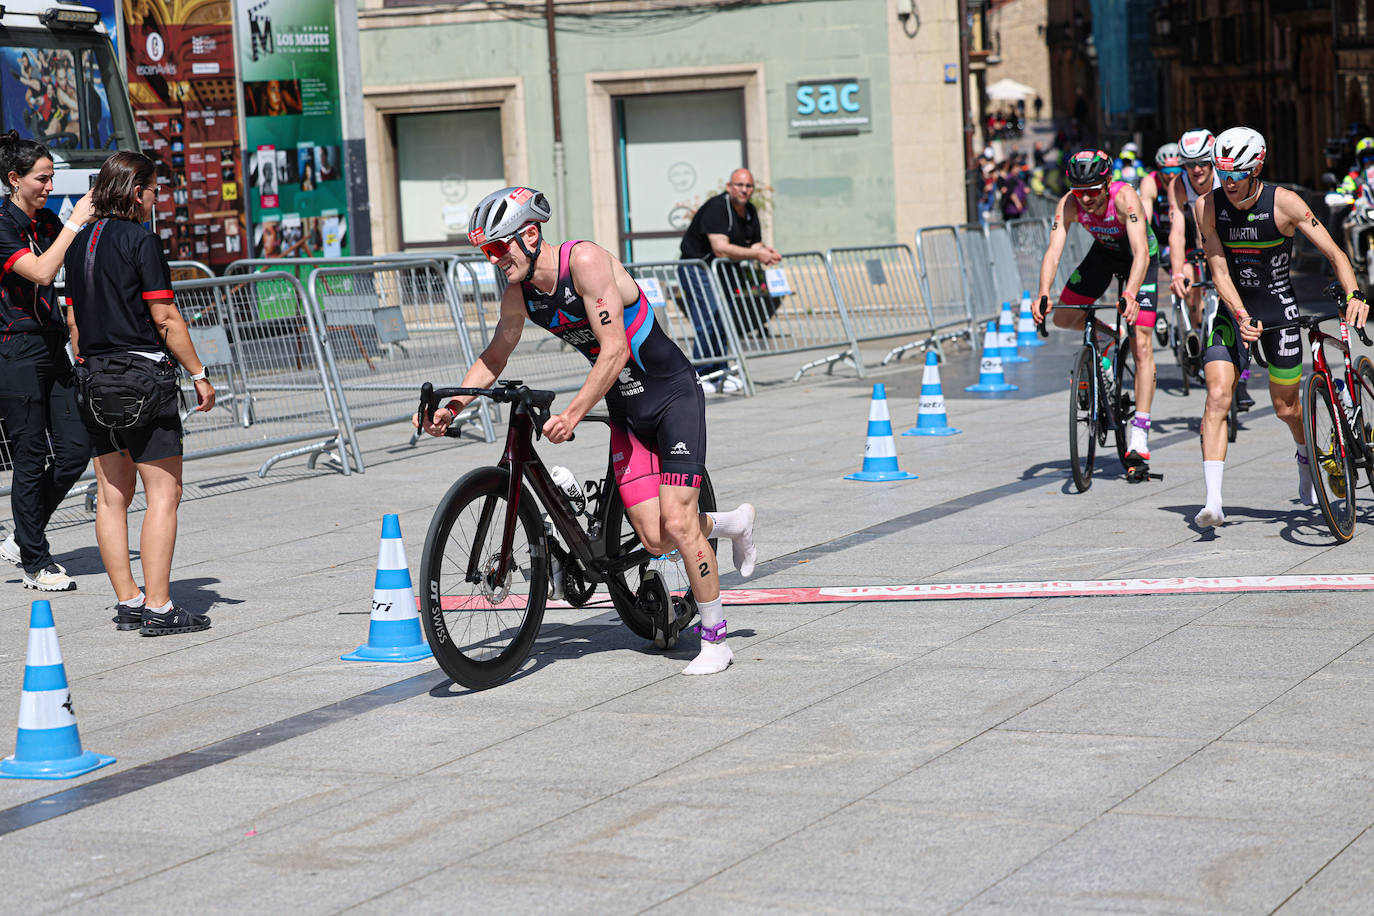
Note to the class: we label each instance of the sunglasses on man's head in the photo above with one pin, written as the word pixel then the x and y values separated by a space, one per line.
pixel 1234 174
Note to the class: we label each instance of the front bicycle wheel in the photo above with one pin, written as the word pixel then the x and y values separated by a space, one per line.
pixel 1125 395
pixel 623 550
pixel 482 626
pixel 1364 368
pixel 1332 468
pixel 1083 419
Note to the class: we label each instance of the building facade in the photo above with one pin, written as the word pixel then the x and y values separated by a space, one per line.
pixel 846 111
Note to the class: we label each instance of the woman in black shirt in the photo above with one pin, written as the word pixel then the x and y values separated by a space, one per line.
pixel 122 307
pixel 37 396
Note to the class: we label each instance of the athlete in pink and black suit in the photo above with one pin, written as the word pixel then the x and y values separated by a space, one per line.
pixel 1122 246
pixel 583 295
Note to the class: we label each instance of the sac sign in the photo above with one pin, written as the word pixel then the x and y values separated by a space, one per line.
pixel 833 106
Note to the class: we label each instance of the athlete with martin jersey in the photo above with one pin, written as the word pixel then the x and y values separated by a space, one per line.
pixel 1247 228
pixel 583 295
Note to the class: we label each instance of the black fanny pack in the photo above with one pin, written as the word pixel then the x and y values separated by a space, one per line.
pixel 121 390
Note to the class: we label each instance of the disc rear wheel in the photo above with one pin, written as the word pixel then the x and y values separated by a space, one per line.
pixel 623 548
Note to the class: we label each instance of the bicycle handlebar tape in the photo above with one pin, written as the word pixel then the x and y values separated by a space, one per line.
pixel 48 746
pixel 930 417
pixel 1025 325
pixel 990 377
pixel 393 633
pixel 880 452
pixel 1006 337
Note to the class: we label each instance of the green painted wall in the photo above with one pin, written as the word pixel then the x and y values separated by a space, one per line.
pixel 828 190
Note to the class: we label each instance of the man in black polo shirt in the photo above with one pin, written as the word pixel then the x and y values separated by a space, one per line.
pixel 726 226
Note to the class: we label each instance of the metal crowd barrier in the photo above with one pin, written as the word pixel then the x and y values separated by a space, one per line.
pixel 1075 250
pixel 1006 275
pixel 687 303
pixel 387 326
pixel 880 289
pixel 260 344
pixel 973 243
pixel 1029 239
pixel 944 280
pixel 794 307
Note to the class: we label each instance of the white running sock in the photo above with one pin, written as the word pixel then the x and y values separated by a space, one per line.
pixel 714 657
pixel 738 526
pixel 134 602
pixel 1307 493
pixel 161 610
pixel 1211 514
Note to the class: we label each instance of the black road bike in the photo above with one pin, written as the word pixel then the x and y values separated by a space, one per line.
pixel 1101 392
pixel 1338 415
pixel 490 554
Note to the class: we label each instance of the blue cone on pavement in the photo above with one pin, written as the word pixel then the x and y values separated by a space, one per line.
pixel 930 417
pixel 880 451
pixel 393 633
pixel 990 377
pixel 48 745
pixel 1006 337
pixel 1026 335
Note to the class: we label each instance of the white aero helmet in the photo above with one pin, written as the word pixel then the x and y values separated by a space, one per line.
pixel 1239 149
pixel 1167 155
pixel 505 212
pixel 1195 146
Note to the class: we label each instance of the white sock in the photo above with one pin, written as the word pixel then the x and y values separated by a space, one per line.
pixel 1211 514
pixel 134 602
pixel 738 526
pixel 1307 493
pixel 161 610
pixel 714 657
pixel 1139 438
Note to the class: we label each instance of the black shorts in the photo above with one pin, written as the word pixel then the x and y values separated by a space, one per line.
pixel 668 421
pixel 1282 349
pixel 1094 275
pixel 157 438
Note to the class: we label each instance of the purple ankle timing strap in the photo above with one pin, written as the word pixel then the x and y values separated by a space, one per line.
pixel 712 634
pixel 1139 423
pixel 1302 458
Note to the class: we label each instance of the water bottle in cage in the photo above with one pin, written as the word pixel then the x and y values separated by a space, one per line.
pixel 1344 395
pixel 565 481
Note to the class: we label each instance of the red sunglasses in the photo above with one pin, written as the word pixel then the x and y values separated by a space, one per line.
pixel 496 248
pixel 1092 191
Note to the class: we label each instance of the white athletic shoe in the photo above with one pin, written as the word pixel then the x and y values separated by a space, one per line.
pixel 52 578
pixel 714 658
pixel 1138 440
pixel 1210 517
pixel 731 384
pixel 707 385
pixel 9 552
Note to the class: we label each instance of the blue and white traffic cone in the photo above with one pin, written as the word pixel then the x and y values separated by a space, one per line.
pixel 990 377
pixel 48 746
pixel 1026 335
pixel 1006 337
pixel 880 452
pixel 393 634
pixel 930 418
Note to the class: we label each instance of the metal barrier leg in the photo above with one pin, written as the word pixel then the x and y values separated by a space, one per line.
pixel 846 357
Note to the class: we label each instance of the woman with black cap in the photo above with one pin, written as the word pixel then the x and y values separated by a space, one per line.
pixel 37 395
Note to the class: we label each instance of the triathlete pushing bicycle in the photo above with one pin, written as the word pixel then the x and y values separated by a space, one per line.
pixel 1122 246
pixel 583 295
pixel 1247 228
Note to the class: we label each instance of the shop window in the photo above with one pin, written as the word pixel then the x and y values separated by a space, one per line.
pixel 673 151
pixel 445 163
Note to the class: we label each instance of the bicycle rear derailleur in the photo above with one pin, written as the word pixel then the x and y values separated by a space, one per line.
pixel 670 613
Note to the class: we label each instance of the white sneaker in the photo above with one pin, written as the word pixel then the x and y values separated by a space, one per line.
pixel 745 554
pixel 52 578
pixel 732 384
pixel 10 553
pixel 707 385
